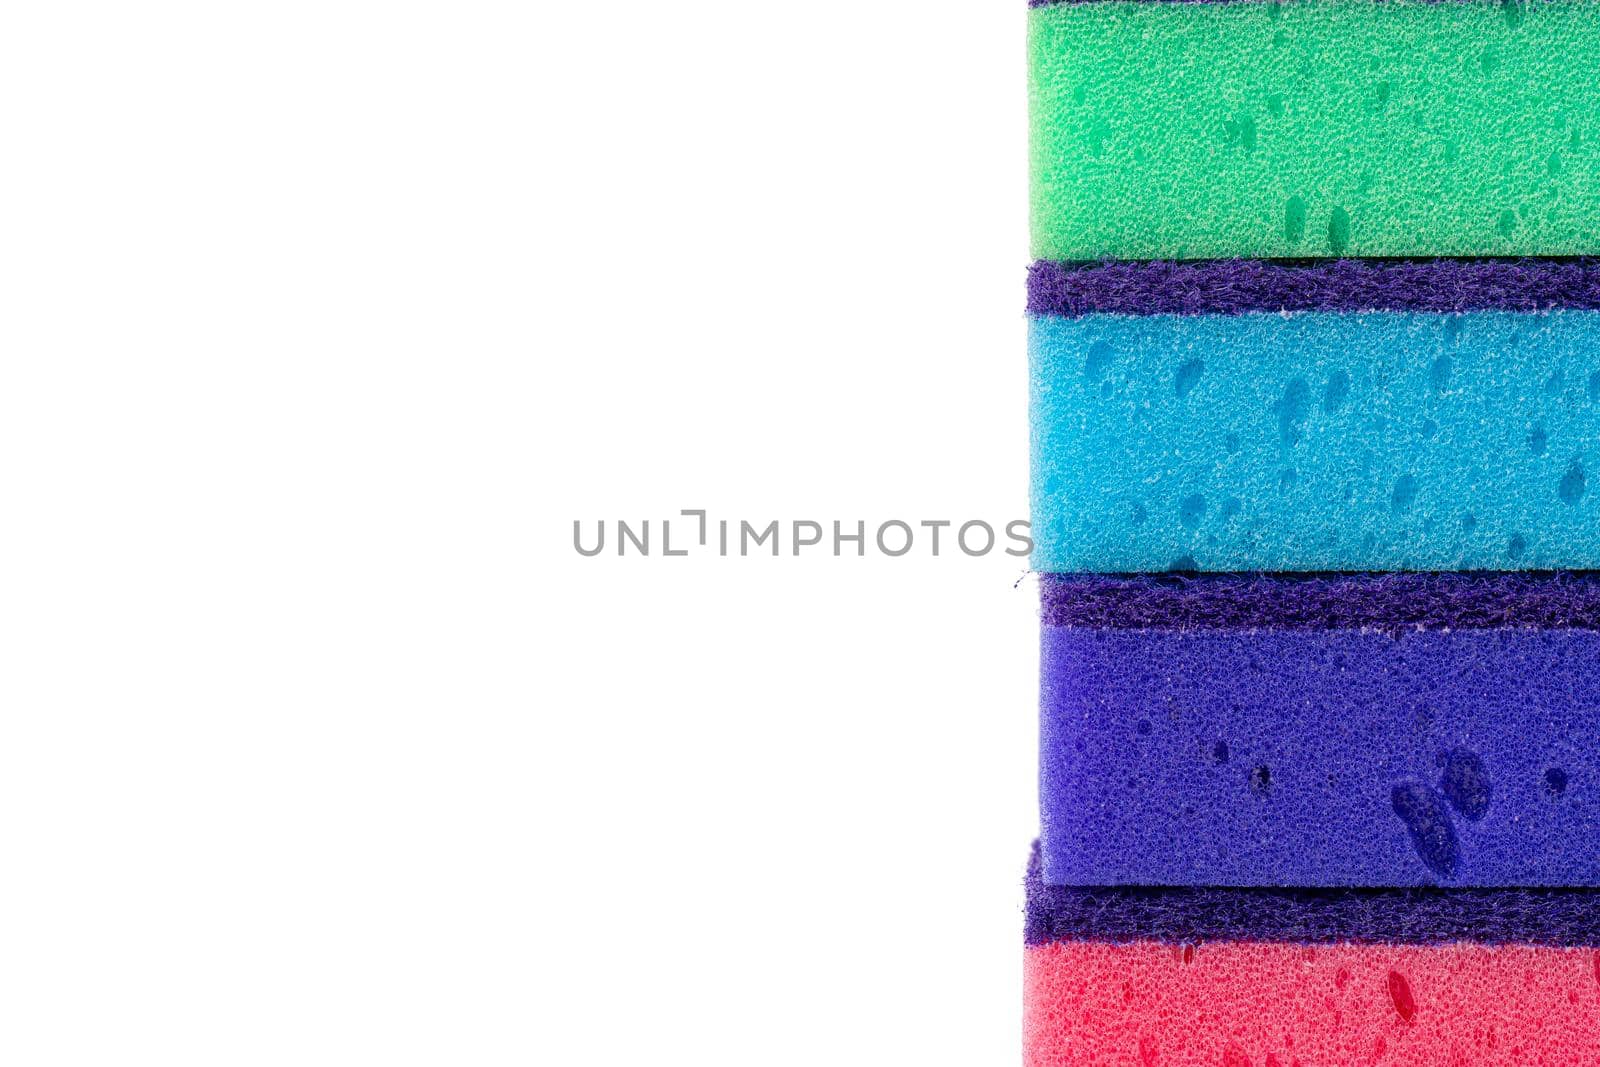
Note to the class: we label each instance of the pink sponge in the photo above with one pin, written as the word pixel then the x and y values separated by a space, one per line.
pixel 1256 1004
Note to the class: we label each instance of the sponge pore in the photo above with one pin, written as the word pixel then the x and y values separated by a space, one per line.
pixel 1248 1004
pixel 1305 129
pixel 1320 758
pixel 1316 441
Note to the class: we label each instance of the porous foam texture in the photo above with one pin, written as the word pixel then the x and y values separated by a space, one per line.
pixel 1244 1004
pixel 1392 602
pixel 1307 128
pixel 1188 915
pixel 1235 286
pixel 1315 441
pixel 1320 758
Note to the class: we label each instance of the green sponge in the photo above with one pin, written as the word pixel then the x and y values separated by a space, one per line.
pixel 1315 128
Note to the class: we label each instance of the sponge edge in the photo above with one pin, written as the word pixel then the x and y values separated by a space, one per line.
pixel 1314 129
pixel 1273 1005
pixel 1189 915
pixel 1315 441
pixel 1320 758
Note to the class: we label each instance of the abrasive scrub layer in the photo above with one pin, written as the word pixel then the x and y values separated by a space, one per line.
pixel 1314 128
pixel 1248 1004
pixel 1315 441
pixel 1394 602
pixel 1189 915
pixel 1345 757
pixel 1237 286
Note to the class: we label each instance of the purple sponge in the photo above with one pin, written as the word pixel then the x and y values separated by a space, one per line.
pixel 1233 286
pixel 1393 602
pixel 1320 757
pixel 1427 916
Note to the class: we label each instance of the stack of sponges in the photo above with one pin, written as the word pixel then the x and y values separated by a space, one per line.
pixel 1315 350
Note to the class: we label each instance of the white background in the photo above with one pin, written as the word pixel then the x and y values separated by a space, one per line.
pixel 320 324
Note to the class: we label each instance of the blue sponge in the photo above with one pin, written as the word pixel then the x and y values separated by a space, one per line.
pixel 1316 441
pixel 1320 758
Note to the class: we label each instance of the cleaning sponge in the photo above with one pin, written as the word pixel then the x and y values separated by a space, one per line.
pixel 1306 128
pixel 1251 1004
pixel 1225 976
pixel 1316 441
pixel 1332 757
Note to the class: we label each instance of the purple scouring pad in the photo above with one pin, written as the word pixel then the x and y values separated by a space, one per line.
pixel 1417 916
pixel 1063 3
pixel 1235 286
pixel 1390 601
pixel 1320 757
